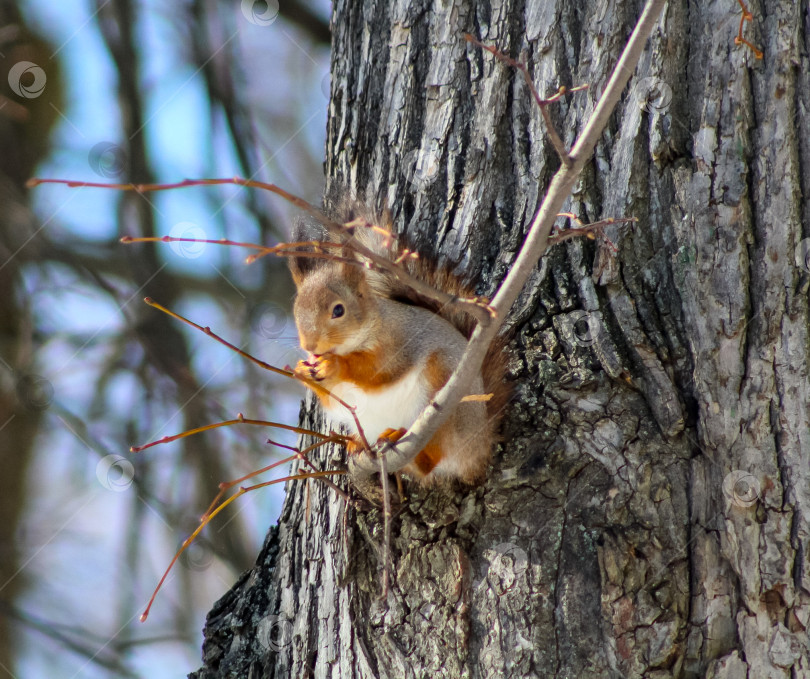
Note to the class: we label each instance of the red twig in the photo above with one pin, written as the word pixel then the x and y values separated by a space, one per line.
pixel 240 419
pixel 212 514
pixel 588 230
pixel 342 231
pixel 739 40
pixel 280 371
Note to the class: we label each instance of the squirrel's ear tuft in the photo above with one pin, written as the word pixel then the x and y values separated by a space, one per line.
pixel 353 274
pixel 299 273
pixel 304 230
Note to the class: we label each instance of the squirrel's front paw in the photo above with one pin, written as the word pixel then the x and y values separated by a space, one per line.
pixel 303 369
pixel 323 368
pixel 317 369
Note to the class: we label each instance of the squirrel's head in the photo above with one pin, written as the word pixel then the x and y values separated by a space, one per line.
pixel 334 309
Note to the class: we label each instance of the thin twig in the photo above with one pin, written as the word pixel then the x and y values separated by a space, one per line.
pixel 314 386
pixel 302 455
pixel 739 40
pixel 293 249
pixel 225 486
pixel 225 503
pixel 293 449
pixel 341 231
pixel 537 241
pixel 556 142
pixel 176 239
pixel 240 419
pixel 386 527
pixel 587 230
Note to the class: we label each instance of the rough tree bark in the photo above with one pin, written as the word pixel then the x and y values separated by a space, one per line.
pixel 647 513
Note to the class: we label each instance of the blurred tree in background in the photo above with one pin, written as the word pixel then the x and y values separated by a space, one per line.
pixel 139 92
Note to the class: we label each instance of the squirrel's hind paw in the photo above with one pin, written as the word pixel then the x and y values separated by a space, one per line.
pixel 392 435
pixel 354 446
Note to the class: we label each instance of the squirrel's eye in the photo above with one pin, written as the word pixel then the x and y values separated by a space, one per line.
pixel 338 310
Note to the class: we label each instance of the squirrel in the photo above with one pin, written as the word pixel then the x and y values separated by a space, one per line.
pixel 379 346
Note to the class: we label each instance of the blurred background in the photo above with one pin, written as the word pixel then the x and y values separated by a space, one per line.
pixel 124 91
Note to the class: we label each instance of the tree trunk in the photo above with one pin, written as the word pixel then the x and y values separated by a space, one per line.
pixel 25 126
pixel 647 511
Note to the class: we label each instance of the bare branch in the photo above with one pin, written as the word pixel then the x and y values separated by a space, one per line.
pixel 208 516
pixel 286 372
pixel 240 419
pixel 343 232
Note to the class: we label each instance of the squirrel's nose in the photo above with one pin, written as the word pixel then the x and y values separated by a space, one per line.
pixel 308 345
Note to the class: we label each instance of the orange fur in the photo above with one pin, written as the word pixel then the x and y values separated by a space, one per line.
pixel 393 435
pixel 436 372
pixel 363 368
pixel 427 460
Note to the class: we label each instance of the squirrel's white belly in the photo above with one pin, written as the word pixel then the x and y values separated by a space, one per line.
pixel 391 407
